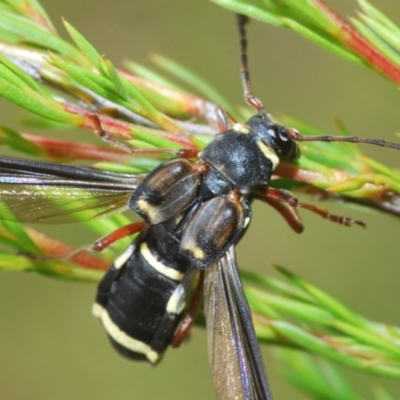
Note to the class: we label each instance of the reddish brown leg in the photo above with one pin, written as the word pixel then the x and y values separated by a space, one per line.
pixel 99 245
pixel 286 197
pixel 99 131
pixel 108 240
pixel 187 153
pixel 191 314
pixel 287 211
pixel 118 234
pixel 225 120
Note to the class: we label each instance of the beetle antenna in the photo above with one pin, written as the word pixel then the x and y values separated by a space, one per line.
pixel 244 72
pixel 293 134
pixel 258 105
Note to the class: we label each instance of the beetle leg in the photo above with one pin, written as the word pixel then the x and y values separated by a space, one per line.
pixel 286 197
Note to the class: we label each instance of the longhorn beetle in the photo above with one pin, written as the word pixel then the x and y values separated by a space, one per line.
pixel 195 213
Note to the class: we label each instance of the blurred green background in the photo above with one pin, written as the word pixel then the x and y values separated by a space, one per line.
pixel 52 348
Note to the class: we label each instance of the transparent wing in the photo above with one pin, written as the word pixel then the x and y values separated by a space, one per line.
pixel 46 193
pixel 234 354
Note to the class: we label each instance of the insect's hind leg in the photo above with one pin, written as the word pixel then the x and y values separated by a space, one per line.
pixel 59 251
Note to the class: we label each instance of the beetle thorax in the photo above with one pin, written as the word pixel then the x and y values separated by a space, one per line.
pixel 241 157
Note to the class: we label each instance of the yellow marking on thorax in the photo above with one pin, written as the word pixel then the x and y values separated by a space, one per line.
pixel 268 153
pixel 241 128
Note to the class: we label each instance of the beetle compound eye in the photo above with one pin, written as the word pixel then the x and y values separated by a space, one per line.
pixel 283 137
pixel 279 139
pixel 287 148
pixel 278 135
